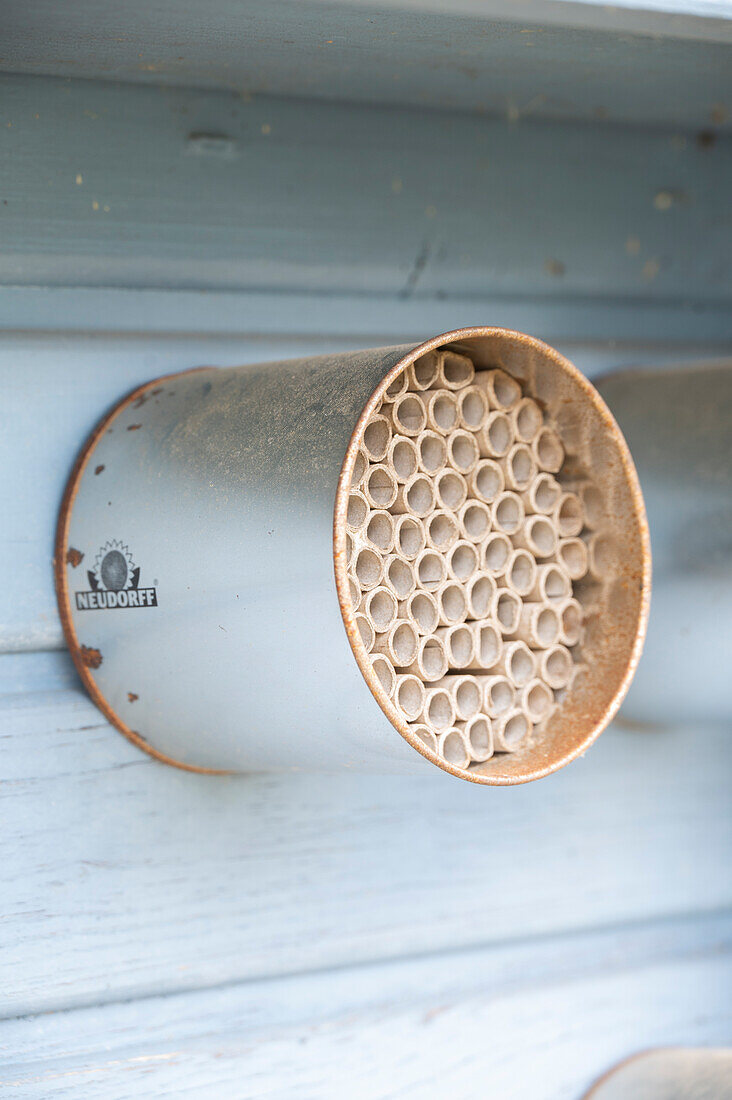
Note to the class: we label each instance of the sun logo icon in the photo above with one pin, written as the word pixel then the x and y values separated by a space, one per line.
pixel 114 568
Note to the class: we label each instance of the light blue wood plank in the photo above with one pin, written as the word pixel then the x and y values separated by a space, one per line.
pixel 209 190
pixel 123 877
pixel 523 1021
pixel 631 331
pixel 541 58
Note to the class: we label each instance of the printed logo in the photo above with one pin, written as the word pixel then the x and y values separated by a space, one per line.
pixel 115 582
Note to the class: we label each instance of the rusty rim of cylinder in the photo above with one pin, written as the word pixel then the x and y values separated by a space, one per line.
pixel 341 568
pixel 61 549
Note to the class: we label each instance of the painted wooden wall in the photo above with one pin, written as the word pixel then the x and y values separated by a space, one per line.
pixel 312 936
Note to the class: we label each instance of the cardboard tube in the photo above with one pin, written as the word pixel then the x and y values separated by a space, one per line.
pixel 368 568
pixel 438 712
pixel 376 437
pixel 384 671
pixel 462 560
pixel 358 510
pixel 466 692
pixel 486 482
pixel 408 414
pixel 366 630
pixel 573 557
pixel 520 573
pixel 510 731
pixel 458 643
pixel 442 411
pixel 538 625
pixel 379 531
pixel 506 610
pixel 354 591
pixel 451 603
pixel 568 517
pixel 517 662
pixel 475 521
pixel 351 548
pixel 538 535
pixel 431 452
pixel 401 456
pixel 462 451
pixel 399 643
pixel 526 418
pixel 507 513
pixel 478 734
pixel 556 666
pixel 409 695
pixel 571 619
pixel 487 645
pixel 379 486
pixel 400 576
pixel 424 372
pixel 431 570
pixel 415 498
pixel 397 388
pixel 499 695
pixel 452 746
pixel 547 449
pixel 360 466
pixel 593 505
pixel 451 490
pixel 496 437
pixel 456 371
pixel 519 468
pixel 380 608
pixel 421 609
pixel 552 583
pixel 503 391
pixel 536 700
pixel 409 536
pixel 473 408
pixel 480 590
pixel 542 496
pixel 442 530
pixel 425 735
pixel 602 556
pixel 495 554
pixel 430 663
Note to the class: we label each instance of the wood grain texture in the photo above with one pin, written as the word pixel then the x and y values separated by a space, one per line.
pixel 624 331
pixel 190 189
pixel 529 1020
pixel 123 877
pixel 530 57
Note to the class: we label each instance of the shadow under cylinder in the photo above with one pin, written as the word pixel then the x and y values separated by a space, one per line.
pixel 202 565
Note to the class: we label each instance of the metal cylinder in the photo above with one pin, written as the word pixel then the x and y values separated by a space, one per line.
pixel 201 565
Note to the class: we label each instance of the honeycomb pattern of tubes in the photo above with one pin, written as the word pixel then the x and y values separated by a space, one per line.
pixel 464 547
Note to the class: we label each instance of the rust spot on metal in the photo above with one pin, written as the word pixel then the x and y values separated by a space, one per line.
pixel 133 427
pixel 98 469
pixel 140 401
pixel 705 139
pixel 92 658
pixel 132 696
pixel 74 557
pixel 157 391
